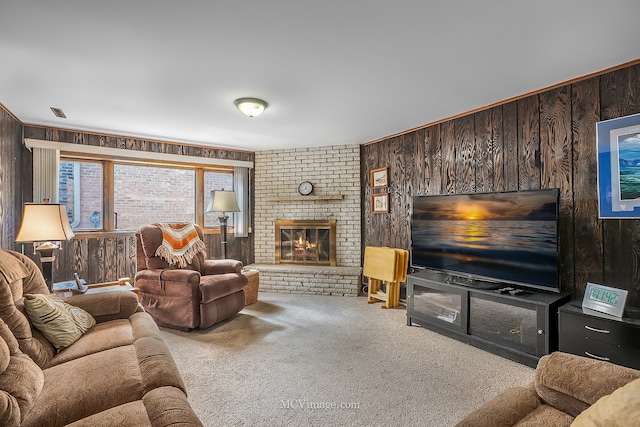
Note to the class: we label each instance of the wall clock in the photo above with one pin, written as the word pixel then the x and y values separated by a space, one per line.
pixel 305 188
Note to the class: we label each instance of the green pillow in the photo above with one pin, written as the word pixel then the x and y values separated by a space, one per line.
pixel 618 409
pixel 61 323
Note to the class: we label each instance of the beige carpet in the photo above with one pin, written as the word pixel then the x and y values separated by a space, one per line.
pixel 307 360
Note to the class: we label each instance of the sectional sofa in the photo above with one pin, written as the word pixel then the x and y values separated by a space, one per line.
pixel 119 372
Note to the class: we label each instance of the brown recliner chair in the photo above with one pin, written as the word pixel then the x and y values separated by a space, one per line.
pixel 199 295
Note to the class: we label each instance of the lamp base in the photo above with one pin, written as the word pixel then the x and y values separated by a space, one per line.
pixel 223 234
pixel 46 251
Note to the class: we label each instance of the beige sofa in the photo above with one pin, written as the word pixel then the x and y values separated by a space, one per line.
pixel 566 386
pixel 119 372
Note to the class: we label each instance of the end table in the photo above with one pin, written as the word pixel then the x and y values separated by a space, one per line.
pixel 64 289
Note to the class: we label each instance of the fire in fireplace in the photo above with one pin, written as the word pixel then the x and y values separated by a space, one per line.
pixel 310 242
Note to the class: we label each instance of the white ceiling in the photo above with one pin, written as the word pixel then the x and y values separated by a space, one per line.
pixel 334 72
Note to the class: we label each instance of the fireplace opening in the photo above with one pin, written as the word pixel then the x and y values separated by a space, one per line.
pixel 308 242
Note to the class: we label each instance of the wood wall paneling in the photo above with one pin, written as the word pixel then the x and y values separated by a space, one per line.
pixel 433 172
pixel 448 145
pixel 419 163
pixel 484 161
pixel 489 150
pixel 399 187
pixel 556 169
pixel 465 163
pixel 510 147
pixel 528 143
pixel 588 244
pixel 545 140
pixel 366 161
pixel 10 182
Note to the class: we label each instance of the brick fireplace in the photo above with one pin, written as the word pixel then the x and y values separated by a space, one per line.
pixel 335 174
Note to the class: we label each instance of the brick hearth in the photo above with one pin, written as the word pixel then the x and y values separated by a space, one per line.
pixel 308 279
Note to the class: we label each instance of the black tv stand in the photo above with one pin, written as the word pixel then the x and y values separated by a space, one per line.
pixel 520 327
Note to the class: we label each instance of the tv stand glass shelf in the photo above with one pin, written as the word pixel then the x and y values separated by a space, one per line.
pixel 520 327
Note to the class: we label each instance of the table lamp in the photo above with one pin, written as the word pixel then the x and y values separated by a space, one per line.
pixel 46 223
pixel 223 201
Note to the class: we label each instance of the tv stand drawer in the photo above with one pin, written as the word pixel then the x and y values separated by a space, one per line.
pixel 613 340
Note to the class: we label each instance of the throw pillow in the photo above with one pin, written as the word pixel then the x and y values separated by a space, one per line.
pixel 61 323
pixel 618 409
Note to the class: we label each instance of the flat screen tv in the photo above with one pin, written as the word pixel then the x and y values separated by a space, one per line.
pixel 489 238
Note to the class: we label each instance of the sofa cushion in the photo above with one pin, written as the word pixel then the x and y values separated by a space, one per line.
pixel 507 408
pixel 98 382
pixel 545 415
pixel 567 383
pixel 168 406
pixel 31 342
pixel 101 337
pixel 85 386
pixel 61 323
pixel 164 406
pixel 11 267
pixel 106 306
pixel 220 285
pixel 618 409
pixel 21 380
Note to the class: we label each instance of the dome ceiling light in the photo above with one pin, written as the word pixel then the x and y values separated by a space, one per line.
pixel 251 107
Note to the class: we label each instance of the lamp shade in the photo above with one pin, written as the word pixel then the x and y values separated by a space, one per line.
pixel 251 107
pixel 223 201
pixel 44 222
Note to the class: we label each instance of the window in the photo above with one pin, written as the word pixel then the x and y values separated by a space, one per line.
pixel 81 190
pixel 141 187
pixel 106 195
pixel 216 180
pixel 143 194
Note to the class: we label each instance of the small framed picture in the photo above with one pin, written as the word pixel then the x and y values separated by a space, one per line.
pixel 380 203
pixel 380 177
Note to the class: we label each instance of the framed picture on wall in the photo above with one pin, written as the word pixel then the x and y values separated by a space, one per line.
pixel 618 142
pixel 380 203
pixel 379 177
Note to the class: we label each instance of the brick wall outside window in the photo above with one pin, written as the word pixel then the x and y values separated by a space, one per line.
pixel 142 194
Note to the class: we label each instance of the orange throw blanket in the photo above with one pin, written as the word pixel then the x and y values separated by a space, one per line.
pixel 180 243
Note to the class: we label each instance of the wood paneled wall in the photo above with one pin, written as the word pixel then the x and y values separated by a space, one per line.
pixel 113 255
pixel 103 259
pixel 545 140
pixel 10 180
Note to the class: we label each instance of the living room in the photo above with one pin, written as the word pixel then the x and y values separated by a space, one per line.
pixel 545 138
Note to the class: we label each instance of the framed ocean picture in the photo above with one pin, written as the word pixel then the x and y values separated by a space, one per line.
pixel 618 143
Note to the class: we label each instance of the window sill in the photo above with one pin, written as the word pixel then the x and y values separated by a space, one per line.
pixel 86 234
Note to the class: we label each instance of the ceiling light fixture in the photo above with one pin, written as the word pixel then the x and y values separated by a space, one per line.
pixel 250 107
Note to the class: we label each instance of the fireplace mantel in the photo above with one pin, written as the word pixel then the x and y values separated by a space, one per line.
pixel 305 198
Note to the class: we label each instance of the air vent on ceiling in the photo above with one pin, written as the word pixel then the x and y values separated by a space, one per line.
pixel 58 112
